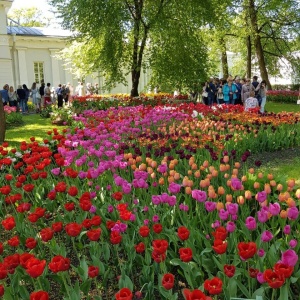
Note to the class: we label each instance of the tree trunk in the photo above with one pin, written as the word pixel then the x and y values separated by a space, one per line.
pixel 135 75
pixel 257 44
pixel 138 48
pixel 2 121
pixel 249 56
pixel 224 59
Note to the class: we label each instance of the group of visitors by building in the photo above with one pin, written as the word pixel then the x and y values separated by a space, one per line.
pixel 245 92
pixel 44 95
pixel 16 98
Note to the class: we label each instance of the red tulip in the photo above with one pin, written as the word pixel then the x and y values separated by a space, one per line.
pixel 168 281
pixel 183 233
pixel 124 294
pixel 213 286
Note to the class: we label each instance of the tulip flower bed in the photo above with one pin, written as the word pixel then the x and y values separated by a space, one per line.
pixel 283 96
pixel 97 102
pixel 150 203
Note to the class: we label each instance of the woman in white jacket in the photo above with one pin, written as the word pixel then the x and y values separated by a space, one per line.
pixel 36 98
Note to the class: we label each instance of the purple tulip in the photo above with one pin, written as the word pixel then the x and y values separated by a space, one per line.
pixel 250 223
pixel 261 196
pixel 199 195
pixel 266 236
pixel 289 257
pixel 293 213
pixel 174 188
pixel 287 229
pixel 230 226
pixel 274 209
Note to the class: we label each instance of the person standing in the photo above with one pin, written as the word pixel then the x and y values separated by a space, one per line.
pixel 205 93
pixel 230 91
pixel 47 94
pixel 59 92
pixel 12 97
pixel 211 91
pixel 42 93
pixel 255 87
pixel 262 92
pixel 22 96
pixel 237 82
pixel 4 93
pixel 220 96
pixel 27 93
pixel 246 89
pixel 36 100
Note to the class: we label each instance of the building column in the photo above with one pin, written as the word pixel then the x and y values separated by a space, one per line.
pixel 55 67
pixel 23 79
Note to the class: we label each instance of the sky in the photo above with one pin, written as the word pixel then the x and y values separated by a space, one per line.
pixel 40 4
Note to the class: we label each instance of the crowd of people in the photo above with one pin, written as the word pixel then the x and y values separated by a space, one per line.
pixel 250 94
pixel 44 95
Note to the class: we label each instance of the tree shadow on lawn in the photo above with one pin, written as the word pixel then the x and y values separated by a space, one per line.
pixel 32 126
pixel 284 162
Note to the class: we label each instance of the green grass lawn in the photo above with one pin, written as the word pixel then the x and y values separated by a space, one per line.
pixel 36 126
pixel 279 107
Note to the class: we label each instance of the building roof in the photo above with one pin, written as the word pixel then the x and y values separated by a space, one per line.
pixel 38 31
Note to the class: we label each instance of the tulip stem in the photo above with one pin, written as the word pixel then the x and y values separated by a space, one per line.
pixel 273 294
pixel 40 284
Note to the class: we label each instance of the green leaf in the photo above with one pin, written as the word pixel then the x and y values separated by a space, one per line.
pixel 106 252
pixel 243 289
pixel 85 286
pixel 284 292
pixel 125 281
pixel 23 292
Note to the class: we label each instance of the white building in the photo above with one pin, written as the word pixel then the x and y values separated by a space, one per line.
pixel 28 54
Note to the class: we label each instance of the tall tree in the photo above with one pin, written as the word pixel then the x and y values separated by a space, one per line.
pixel 29 17
pixel 124 32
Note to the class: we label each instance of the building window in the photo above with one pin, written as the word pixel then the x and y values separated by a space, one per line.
pixel 38 72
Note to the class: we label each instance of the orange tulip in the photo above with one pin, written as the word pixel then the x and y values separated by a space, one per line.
pixel 290 202
pixel 256 185
pixel 197 174
pixel 176 176
pixel 171 179
pixel 279 187
pixel 248 195
pixel 188 190
pixel 143 167
pixel 260 175
pixel 267 188
pixel 226 159
pixel 228 198
pixel 153 175
pixel 251 171
pixel 221 190
pixel 237 165
pixel 161 181
pixel 240 200
pixel 153 164
pixel 138 159
pixel 291 183
pixel 220 205
pixel 283 214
